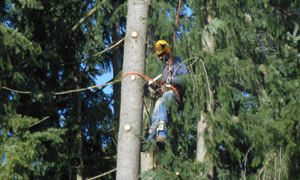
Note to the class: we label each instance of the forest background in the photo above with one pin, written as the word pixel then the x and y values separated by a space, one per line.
pixel 241 110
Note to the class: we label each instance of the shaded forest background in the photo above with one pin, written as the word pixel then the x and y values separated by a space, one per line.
pixel 243 88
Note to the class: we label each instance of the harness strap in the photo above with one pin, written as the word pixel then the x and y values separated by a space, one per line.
pixel 152 128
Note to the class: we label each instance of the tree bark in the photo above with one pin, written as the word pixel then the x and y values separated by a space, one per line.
pixel 129 142
pixel 147 156
pixel 117 65
pixel 201 149
pixel 202 128
pixel 79 133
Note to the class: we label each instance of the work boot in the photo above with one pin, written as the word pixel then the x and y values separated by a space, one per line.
pixel 161 142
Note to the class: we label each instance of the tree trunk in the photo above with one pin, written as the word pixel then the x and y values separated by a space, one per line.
pixel 147 161
pixel 129 142
pixel 201 149
pixel 117 64
pixel 202 128
pixel 147 157
pixel 79 133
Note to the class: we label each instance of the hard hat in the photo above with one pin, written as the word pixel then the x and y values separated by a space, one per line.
pixel 161 46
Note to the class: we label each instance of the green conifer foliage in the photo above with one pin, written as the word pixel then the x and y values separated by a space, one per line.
pixel 40 54
pixel 252 82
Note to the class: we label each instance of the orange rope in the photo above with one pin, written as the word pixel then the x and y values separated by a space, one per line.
pixel 158 83
pixel 175 29
pixel 140 75
pixel 162 80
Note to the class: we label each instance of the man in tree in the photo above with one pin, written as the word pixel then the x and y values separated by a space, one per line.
pixel 172 75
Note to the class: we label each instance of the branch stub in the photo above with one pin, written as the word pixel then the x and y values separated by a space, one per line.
pixel 134 34
pixel 127 127
pixel 132 77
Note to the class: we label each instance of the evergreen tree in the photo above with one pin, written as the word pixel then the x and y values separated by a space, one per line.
pixel 251 82
pixel 41 52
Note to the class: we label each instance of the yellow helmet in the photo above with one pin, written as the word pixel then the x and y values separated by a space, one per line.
pixel 161 46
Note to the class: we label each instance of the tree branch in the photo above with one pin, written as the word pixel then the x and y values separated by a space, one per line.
pixel 60 93
pixel 60 38
pixel 245 161
pixel 241 88
pixel 112 129
pixel 86 16
pixel 96 54
pixel 263 169
pixel 207 82
pixel 39 121
pixel 32 125
pixel 102 174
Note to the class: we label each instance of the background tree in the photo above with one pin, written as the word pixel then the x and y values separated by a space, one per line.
pixel 40 53
pixel 248 74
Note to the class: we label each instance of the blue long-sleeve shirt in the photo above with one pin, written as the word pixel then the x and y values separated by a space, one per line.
pixel 178 68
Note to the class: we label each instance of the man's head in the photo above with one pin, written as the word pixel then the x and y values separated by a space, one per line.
pixel 162 50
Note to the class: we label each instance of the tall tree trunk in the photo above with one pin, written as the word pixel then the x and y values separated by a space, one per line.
pixel 117 64
pixel 79 133
pixel 202 128
pixel 147 157
pixel 201 148
pixel 129 142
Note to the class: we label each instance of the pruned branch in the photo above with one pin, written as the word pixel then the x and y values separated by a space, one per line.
pixel 113 157
pixel 32 125
pixel 102 174
pixel 165 170
pixel 112 129
pixel 39 121
pixel 86 16
pixel 96 54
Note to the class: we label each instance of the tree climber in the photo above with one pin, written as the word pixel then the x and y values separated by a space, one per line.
pixel 172 75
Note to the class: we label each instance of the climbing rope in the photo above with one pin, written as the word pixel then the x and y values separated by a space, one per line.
pixel 170 60
pixel 175 29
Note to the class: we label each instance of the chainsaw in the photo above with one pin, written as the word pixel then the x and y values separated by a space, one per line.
pixel 150 87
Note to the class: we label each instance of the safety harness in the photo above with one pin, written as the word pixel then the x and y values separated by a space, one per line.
pixel 161 126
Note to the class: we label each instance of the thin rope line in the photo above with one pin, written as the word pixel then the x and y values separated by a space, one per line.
pixel 59 93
